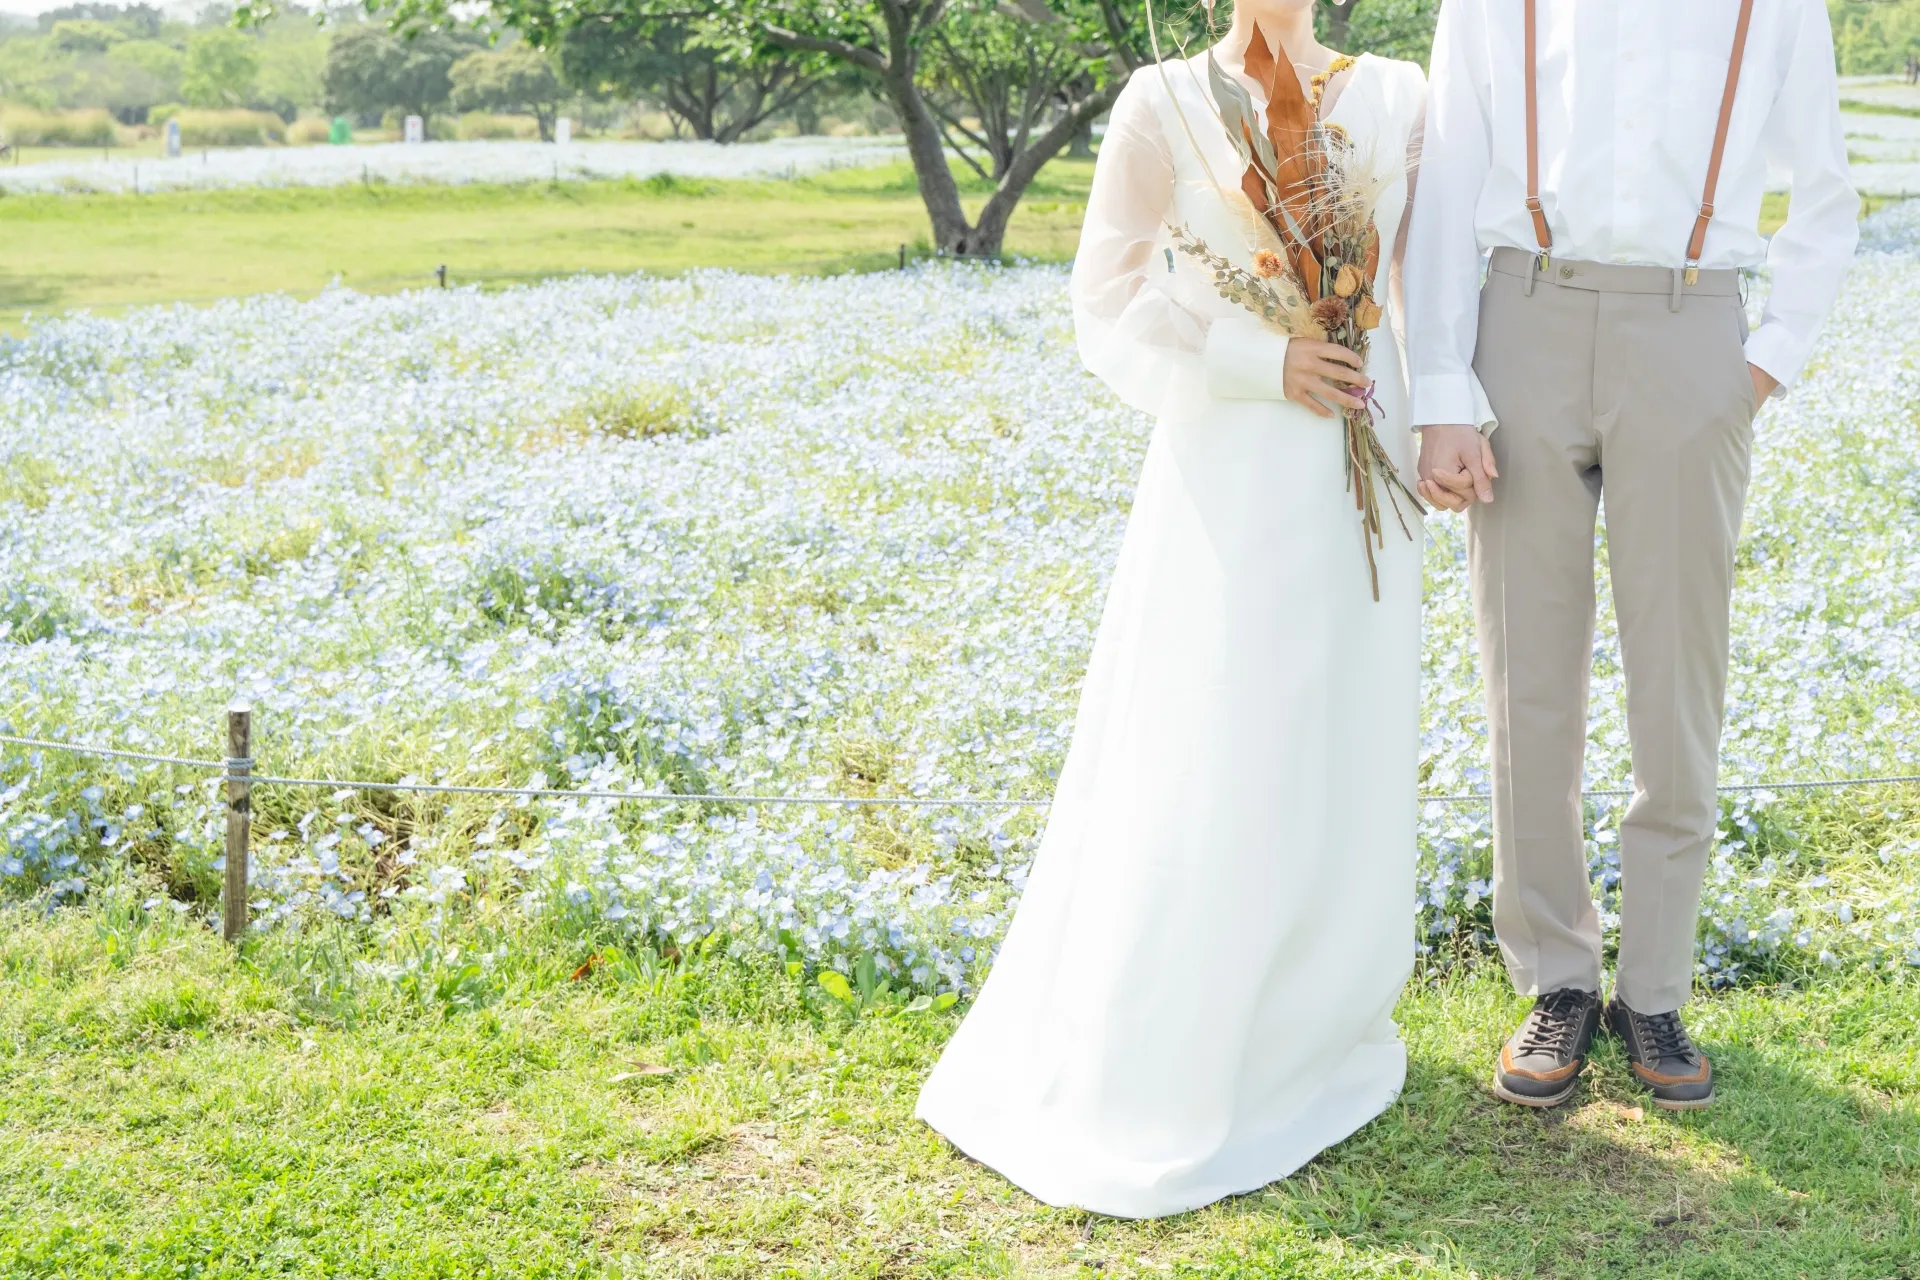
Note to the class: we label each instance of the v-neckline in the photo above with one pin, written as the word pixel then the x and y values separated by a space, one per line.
pixel 1325 114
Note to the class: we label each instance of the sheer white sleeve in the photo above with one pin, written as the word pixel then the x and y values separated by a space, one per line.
pixel 1135 333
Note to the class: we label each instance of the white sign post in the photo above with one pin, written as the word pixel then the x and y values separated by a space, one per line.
pixel 173 139
pixel 562 131
pixel 416 129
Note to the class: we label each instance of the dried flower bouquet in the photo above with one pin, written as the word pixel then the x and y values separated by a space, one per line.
pixel 1310 195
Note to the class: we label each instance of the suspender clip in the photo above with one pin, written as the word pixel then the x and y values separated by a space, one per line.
pixel 1693 271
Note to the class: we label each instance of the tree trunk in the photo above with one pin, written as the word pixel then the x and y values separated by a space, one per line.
pixel 925 146
pixel 1339 15
pixel 991 230
pixel 1081 148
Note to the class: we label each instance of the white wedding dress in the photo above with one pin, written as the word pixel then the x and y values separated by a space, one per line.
pixel 1195 996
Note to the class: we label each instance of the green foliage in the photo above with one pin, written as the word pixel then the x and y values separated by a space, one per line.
pixel 711 87
pixel 1391 28
pixel 1872 37
pixel 136 21
pixel 292 75
pixel 84 35
pixel 517 78
pixel 369 71
pixel 220 69
pixel 149 71
pixel 131 60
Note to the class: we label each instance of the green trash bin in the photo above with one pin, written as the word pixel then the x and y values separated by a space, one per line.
pixel 340 132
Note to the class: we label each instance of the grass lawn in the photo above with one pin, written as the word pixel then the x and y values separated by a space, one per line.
pixel 108 252
pixel 166 1109
pixel 111 251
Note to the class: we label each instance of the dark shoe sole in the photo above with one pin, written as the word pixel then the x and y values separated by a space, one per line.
pixel 1505 1094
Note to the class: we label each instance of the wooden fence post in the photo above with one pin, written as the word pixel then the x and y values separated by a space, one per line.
pixel 233 903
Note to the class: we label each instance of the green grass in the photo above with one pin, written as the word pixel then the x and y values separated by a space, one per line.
pixel 1878 108
pixel 107 252
pixel 169 1109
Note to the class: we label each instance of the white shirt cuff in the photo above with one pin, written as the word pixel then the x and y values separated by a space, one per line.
pixel 1452 399
pixel 1777 351
pixel 1245 360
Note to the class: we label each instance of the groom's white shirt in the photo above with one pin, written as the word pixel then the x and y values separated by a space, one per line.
pixel 1629 92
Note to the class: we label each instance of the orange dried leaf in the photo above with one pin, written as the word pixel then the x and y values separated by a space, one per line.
pixel 1290 121
pixel 593 962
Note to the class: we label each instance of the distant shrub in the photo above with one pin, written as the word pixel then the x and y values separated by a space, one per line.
pixel 309 132
pixel 236 128
pixel 23 126
pixel 484 126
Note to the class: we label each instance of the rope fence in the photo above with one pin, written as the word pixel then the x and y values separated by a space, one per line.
pixel 236 770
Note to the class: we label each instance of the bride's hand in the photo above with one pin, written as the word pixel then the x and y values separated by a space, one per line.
pixel 1318 373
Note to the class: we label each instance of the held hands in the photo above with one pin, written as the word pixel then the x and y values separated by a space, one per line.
pixel 1317 373
pixel 1456 467
pixel 1456 462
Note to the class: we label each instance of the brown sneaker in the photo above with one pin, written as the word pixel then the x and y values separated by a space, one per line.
pixel 1540 1064
pixel 1663 1057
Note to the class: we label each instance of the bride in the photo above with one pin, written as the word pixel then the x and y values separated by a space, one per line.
pixel 1195 996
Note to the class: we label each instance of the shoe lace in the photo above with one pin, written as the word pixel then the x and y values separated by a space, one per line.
pixel 1555 1022
pixel 1665 1037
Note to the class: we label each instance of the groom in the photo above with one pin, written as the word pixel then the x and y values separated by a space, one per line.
pixel 1611 158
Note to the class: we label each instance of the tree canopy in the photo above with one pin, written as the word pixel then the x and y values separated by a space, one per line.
pixel 517 78
pixel 371 70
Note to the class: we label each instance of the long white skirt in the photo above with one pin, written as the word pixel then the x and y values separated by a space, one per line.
pixel 1195 995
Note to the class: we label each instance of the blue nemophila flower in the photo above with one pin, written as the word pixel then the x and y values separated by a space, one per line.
pixel 734 534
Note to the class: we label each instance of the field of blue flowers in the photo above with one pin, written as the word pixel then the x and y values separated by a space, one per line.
pixel 750 535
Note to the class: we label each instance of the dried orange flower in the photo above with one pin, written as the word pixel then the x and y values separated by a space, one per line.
pixel 1268 263
pixel 1347 283
pixel 1367 314
pixel 1330 312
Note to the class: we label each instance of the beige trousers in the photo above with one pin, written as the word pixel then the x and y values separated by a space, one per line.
pixel 1615 382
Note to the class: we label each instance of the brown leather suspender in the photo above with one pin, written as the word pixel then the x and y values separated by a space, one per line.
pixel 1697 241
pixel 1540 229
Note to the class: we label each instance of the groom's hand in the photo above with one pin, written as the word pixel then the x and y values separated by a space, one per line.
pixel 1456 467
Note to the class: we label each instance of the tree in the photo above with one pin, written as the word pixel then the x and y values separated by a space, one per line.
pixel 142 21
pixel 293 62
pixel 1031 73
pixel 1390 28
pixel 220 68
pixel 517 78
pixel 1041 69
pixel 84 35
pixel 1873 36
pixel 371 71
pixel 714 91
pixel 991 83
